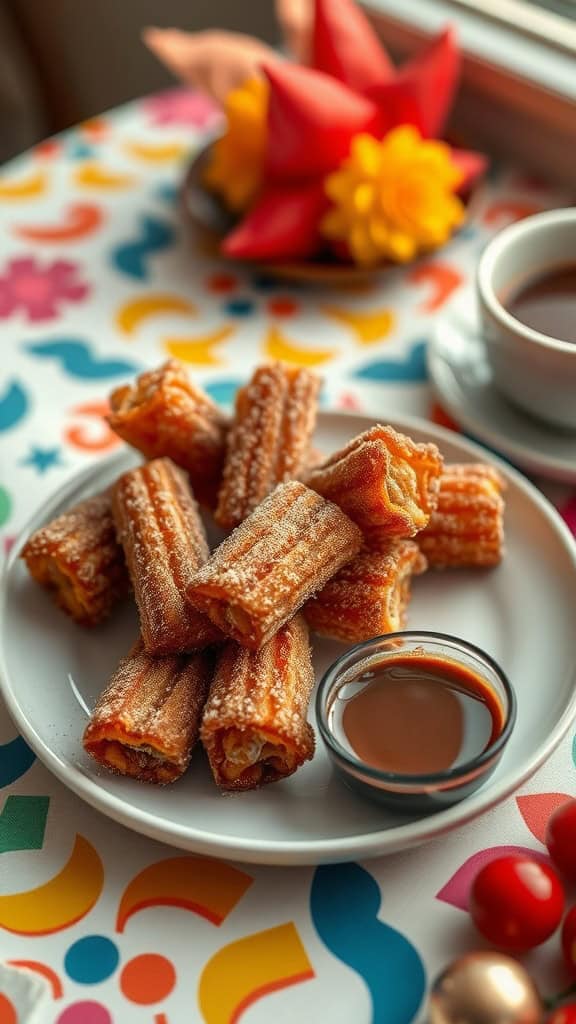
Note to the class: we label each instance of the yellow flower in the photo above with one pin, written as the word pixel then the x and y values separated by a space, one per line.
pixel 235 166
pixel 393 199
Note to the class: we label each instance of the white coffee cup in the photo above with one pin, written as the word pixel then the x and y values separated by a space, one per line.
pixel 534 371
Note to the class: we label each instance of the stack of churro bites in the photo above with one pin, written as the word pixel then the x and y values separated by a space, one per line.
pixel 327 543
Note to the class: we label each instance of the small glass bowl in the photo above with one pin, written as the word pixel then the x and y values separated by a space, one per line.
pixel 420 794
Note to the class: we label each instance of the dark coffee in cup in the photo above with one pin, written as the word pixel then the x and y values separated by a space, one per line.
pixel 547 303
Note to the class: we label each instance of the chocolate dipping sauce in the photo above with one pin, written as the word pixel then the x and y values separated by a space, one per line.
pixel 548 303
pixel 415 714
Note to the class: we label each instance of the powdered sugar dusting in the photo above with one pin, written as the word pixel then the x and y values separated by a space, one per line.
pixel 164 542
pixel 370 595
pixel 165 414
pixel 259 577
pixel 78 558
pixel 467 527
pixel 269 438
pixel 382 479
pixel 256 712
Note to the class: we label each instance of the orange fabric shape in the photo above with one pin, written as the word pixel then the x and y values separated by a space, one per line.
pixel 147 979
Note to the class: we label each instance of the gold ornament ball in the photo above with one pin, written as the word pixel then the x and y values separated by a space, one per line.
pixel 485 988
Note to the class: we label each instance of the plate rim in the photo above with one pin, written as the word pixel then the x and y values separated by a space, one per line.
pixel 552 468
pixel 289 852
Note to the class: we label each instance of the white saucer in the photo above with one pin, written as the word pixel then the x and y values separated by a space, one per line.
pixel 463 382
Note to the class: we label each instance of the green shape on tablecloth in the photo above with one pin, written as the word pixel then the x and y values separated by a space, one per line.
pixel 42 459
pixel 14 405
pixel 410 368
pixel 15 759
pixel 151 236
pixel 76 358
pixel 223 391
pixel 345 902
pixel 22 823
pixel 5 505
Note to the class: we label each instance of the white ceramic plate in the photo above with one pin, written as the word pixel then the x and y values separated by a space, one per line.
pixel 521 613
pixel 463 382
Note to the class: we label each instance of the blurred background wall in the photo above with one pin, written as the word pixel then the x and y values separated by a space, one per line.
pixel 65 60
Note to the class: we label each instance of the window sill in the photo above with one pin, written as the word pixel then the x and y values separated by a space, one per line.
pixel 518 93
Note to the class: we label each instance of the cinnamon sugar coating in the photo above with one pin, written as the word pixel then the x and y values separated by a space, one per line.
pixel 147 720
pixel 254 727
pixel 268 442
pixel 467 527
pixel 164 543
pixel 78 560
pixel 369 596
pixel 273 562
pixel 383 481
pixel 164 414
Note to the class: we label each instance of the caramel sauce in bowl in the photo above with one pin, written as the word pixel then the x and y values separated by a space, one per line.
pixel 415 720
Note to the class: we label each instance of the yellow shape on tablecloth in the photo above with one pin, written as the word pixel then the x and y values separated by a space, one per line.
pixel 278 346
pixel 133 313
pixel 62 901
pixel 161 153
pixel 198 350
pixel 245 970
pixel 94 175
pixel 210 888
pixel 16 189
pixel 368 326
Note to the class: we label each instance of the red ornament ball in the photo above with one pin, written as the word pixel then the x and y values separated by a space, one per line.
pixel 563 1015
pixel 561 838
pixel 516 902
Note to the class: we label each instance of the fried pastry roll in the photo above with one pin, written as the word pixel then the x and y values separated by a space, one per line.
pixel 369 596
pixel 383 481
pixel 273 562
pixel 164 414
pixel 164 543
pixel 254 728
pixel 78 560
pixel 269 439
pixel 467 527
pixel 147 720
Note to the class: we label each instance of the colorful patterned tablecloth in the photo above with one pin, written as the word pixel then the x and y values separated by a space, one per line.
pixel 98 279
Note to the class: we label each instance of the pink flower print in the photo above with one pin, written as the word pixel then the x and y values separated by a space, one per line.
pixel 38 290
pixel 182 107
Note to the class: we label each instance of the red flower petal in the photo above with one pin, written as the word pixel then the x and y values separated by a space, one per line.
pixel 283 225
pixel 345 45
pixel 423 91
pixel 311 121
